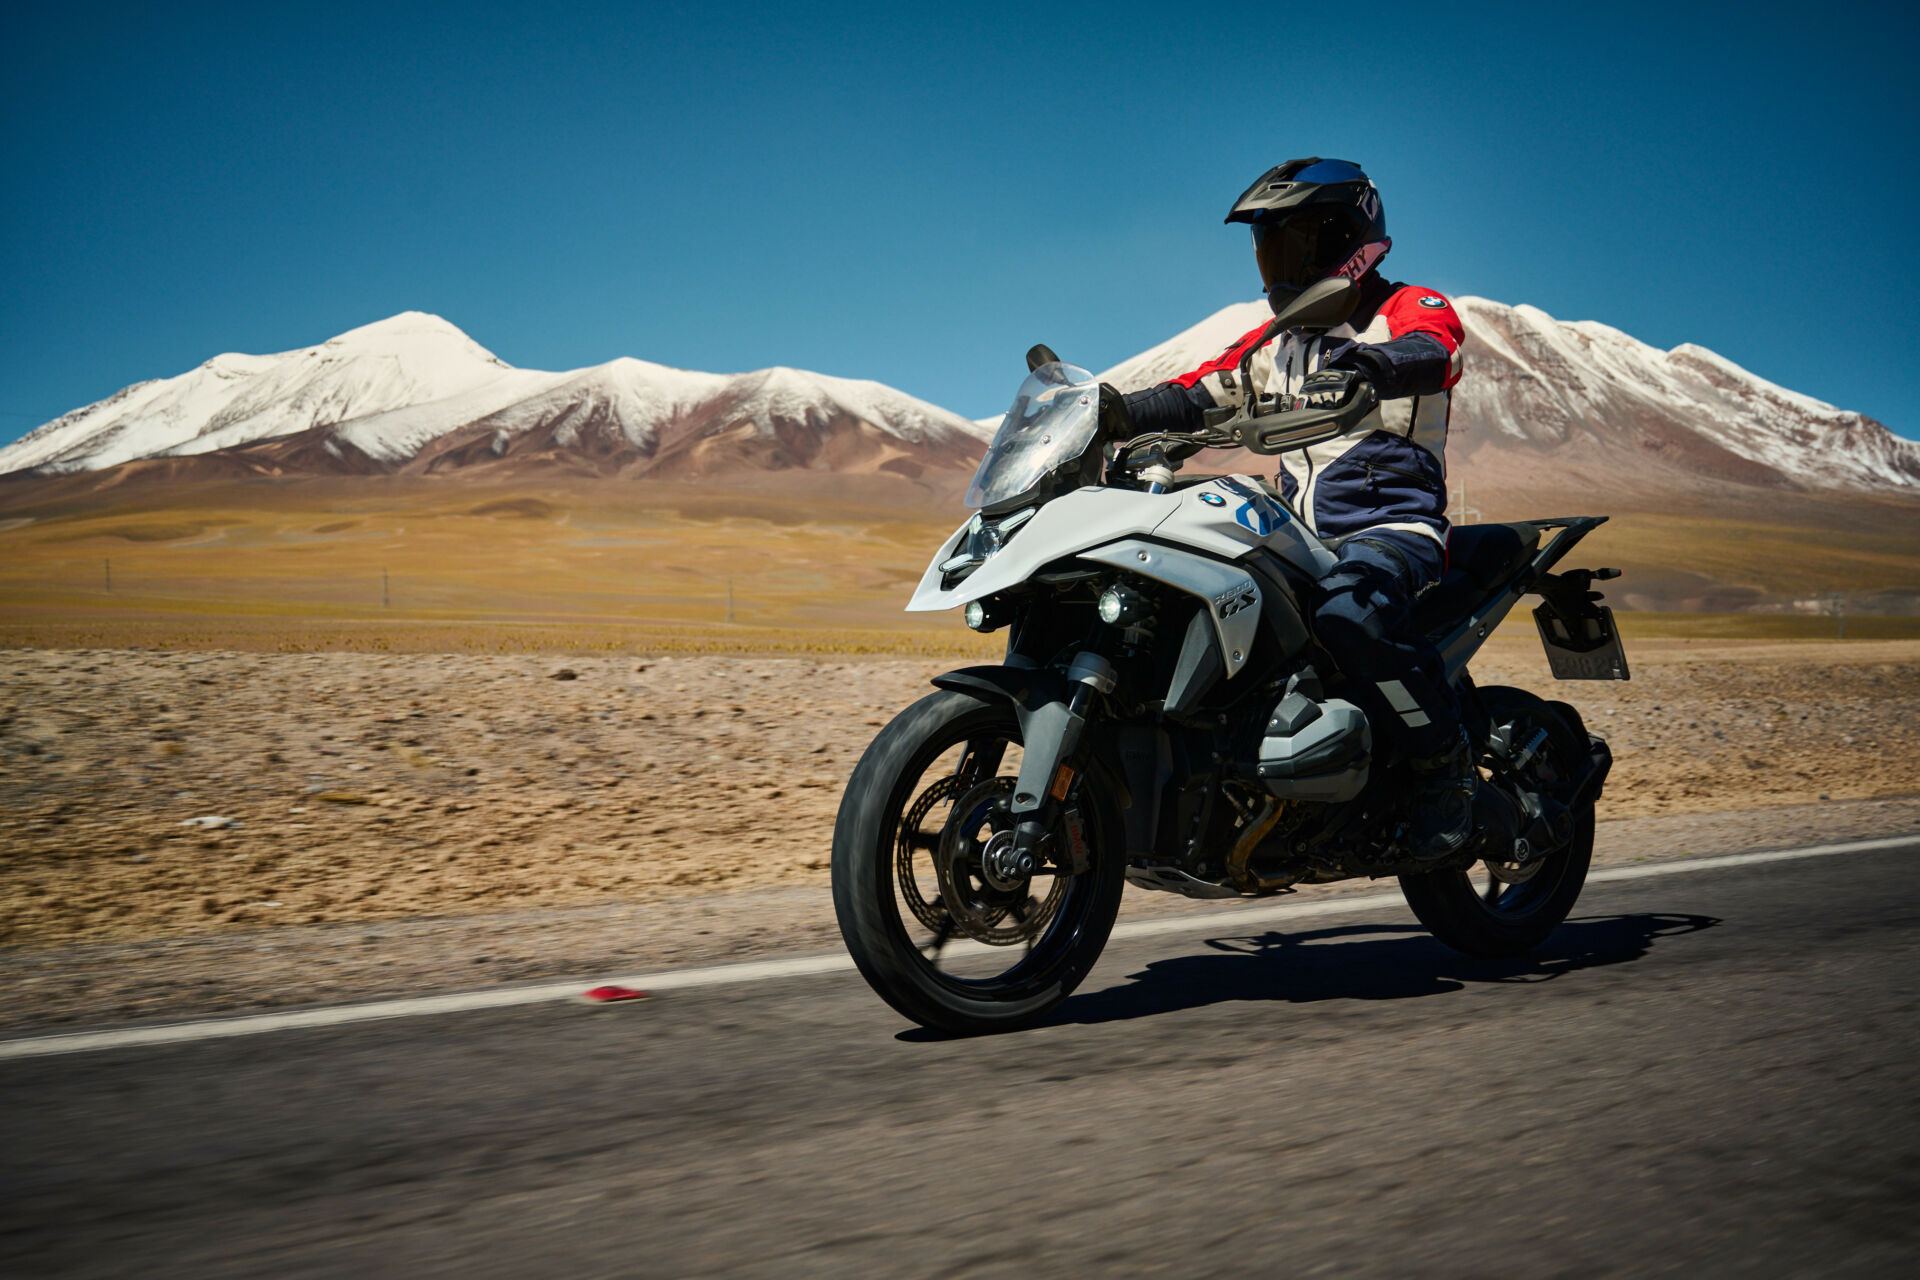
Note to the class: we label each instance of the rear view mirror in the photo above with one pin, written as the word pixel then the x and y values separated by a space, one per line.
pixel 1040 353
pixel 1325 304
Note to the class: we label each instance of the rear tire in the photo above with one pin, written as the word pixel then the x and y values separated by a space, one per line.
pixel 888 787
pixel 1493 919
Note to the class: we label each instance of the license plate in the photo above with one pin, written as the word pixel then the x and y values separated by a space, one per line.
pixel 1585 647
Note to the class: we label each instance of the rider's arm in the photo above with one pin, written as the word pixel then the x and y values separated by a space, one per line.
pixel 1422 355
pixel 1178 403
pixel 1168 407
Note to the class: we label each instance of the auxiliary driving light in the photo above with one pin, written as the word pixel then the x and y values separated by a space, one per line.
pixel 1120 604
pixel 989 614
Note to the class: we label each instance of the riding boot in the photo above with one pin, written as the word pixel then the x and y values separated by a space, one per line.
pixel 1443 787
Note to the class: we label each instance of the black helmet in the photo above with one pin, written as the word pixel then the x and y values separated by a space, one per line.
pixel 1312 219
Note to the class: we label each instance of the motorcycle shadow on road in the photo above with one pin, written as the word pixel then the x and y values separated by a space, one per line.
pixel 1362 962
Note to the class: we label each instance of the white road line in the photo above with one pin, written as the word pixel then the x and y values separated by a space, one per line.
pixel 801 966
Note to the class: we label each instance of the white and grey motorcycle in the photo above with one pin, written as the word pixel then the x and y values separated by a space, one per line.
pixel 1164 716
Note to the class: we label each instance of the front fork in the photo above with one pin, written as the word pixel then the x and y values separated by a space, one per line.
pixel 1052 735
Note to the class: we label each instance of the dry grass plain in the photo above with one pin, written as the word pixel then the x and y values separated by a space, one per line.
pixel 386 564
pixel 380 563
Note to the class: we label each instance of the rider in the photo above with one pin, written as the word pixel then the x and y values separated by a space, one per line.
pixel 1378 494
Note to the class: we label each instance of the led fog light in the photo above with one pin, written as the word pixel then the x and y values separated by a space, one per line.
pixel 1119 605
pixel 988 614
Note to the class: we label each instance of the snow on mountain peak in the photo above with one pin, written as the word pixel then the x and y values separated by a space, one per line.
pixel 419 334
pixel 236 399
pixel 390 390
pixel 1537 381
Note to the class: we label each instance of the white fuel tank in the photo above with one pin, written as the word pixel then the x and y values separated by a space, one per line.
pixel 1230 514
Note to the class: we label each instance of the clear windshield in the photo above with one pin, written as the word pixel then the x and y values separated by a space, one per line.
pixel 1053 420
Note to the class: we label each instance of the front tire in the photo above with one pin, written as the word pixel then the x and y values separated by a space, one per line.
pixel 936 758
pixel 1484 912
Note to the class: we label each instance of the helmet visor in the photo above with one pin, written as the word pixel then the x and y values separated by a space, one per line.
pixel 1306 246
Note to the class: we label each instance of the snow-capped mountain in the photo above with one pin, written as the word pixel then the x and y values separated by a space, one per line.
pixel 414 393
pixel 1537 388
pixel 409 360
pixel 1545 404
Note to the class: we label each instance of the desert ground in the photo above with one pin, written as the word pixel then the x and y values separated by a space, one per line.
pixel 178 812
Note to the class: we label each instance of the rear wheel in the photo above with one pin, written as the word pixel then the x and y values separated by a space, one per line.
pixel 1497 909
pixel 934 928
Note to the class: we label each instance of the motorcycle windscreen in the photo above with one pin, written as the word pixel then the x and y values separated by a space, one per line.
pixel 1053 419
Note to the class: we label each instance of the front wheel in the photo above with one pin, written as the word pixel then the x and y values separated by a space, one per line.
pixel 1495 909
pixel 933 929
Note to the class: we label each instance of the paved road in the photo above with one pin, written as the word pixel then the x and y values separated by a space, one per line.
pixel 1710 1073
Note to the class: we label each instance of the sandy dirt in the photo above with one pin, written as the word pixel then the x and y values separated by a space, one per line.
pixel 159 800
pixel 365 787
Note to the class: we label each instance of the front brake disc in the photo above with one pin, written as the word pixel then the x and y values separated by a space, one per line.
pixel 912 839
pixel 997 917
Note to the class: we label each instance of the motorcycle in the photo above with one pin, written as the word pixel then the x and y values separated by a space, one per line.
pixel 1164 716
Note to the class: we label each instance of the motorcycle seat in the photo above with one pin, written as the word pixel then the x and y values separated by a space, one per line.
pixel 1479 558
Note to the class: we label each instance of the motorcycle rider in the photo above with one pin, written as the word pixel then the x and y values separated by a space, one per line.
pixel 1378 494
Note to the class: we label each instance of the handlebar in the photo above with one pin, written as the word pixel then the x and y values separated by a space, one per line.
pixel 1277 431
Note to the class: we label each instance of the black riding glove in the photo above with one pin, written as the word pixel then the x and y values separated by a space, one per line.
pixel 1414 364
pixel 1329 388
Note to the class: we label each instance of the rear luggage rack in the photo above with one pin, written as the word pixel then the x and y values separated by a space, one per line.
pixel 1459 642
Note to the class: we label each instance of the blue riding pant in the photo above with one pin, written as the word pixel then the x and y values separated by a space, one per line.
pixel 1363 615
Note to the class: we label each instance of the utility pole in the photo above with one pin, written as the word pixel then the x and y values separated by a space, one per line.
pixel 729 601
pixel 106 569
pixel 386 596
pixel 1839 601
pixel 1458 495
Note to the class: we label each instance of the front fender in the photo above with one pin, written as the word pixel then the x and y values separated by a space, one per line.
pixel 1031 690
pixel 1027 688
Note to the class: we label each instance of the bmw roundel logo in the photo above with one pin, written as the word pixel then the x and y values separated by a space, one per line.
pixel 1431 301
pixel 1213 500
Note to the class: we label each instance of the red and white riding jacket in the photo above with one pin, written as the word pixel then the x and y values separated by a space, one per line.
pixel 1388 475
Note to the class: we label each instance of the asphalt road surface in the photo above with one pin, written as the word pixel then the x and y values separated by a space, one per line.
pixel 1710 1073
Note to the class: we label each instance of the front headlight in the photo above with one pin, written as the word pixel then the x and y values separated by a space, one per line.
pixel 986 537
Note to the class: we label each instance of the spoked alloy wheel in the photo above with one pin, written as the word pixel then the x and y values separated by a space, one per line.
pixel 1497 909
pixel 929 905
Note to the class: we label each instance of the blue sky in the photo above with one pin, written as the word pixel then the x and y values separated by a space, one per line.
pixel 878 191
